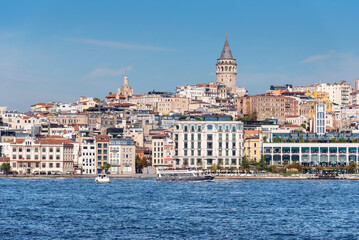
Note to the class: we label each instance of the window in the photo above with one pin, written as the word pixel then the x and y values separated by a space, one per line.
pixel 105 145
pixel 99 145
pixel 51 165
pixel 57 165
pixel 37 164
pixel 210 127
pixel 43 149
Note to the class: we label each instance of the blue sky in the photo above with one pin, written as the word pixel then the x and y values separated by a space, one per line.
pixel 61 50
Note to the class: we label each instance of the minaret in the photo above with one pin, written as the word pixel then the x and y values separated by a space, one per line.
pixel 227 68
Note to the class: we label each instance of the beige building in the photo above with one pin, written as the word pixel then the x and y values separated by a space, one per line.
pixel 122 156
pixel 173 104
pixel 52 154
pixel 69 119
pixel 226 69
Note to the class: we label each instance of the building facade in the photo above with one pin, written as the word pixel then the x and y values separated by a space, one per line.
pixel 205 143
pixel 102 151
pixel 311 154
pixel 122 156
pixel 42 155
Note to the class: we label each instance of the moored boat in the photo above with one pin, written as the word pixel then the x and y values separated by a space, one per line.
pixel 102 178
pixel 181 176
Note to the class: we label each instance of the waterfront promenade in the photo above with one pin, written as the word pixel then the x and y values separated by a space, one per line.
pixel 217 177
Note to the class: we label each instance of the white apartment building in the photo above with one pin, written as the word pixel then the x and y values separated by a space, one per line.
pixel 205 143
pixel 122 156
pixel 87 159
pixel 53 154
pixel 339 92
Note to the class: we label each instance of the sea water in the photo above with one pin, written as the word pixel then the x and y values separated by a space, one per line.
pixel 146 209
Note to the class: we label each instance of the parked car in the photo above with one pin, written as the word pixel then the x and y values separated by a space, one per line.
pixel 35 173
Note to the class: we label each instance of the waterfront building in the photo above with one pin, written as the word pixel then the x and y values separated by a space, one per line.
pixel 226 69
pixel 311 153
pixel 253 148
pixel 102 151
pixel 209 142
pixel 52 154
pixel 162 150
pixel 87 157
pixel 122 156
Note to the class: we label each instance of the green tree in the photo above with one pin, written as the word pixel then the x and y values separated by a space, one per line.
pixel 245 163
pixel 140 163
pixel 5 167
pixel 183 117
pixel 214 167
pixel 262 164
pixel 97 100
pixel 277 140
pixel 351 168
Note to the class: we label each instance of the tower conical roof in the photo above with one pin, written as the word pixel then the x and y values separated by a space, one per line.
pixel 226 52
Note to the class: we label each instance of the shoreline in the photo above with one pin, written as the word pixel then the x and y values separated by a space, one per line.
pixel 154 176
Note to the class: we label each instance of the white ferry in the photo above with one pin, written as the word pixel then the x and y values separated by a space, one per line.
pixel 102 178
pixel 181 176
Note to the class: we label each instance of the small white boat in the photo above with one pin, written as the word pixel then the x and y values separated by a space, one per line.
pixel 102 178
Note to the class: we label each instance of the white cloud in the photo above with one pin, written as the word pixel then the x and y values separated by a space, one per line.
pixel 115 44
pixel 104 72
pixel 318 57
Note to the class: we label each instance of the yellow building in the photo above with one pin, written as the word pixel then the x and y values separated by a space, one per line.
pixel 320 96
pixel 308 109
pixel 253 148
